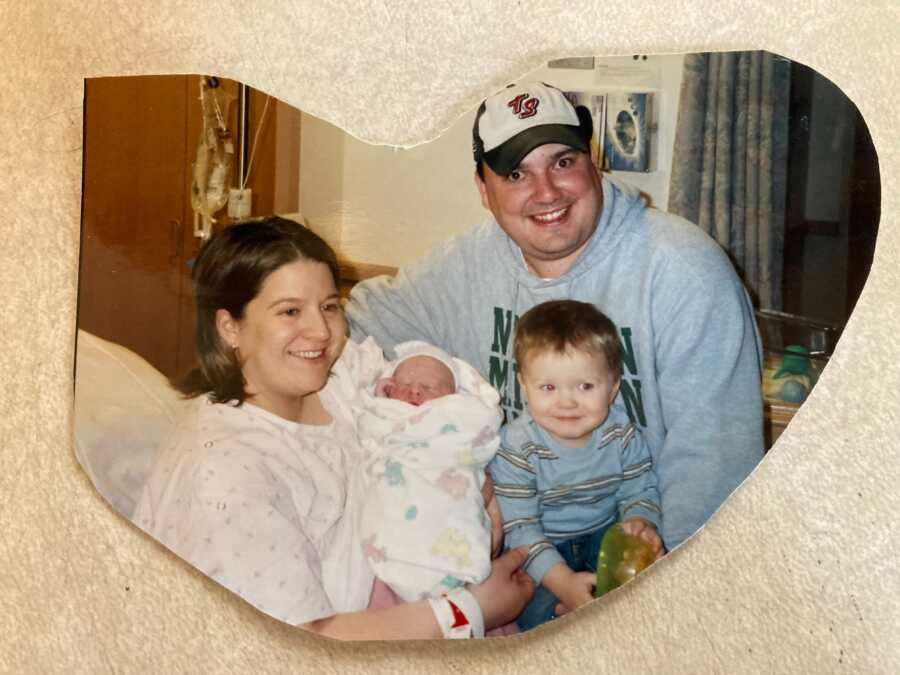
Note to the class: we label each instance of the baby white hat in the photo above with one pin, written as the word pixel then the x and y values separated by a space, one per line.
pixel 407 350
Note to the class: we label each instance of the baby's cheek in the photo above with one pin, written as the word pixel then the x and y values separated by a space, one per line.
pixel 401 394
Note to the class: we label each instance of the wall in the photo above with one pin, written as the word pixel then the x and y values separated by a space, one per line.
pixel 321 177
pixel 389 206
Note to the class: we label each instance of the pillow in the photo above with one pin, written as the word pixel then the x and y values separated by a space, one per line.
pixel 124 410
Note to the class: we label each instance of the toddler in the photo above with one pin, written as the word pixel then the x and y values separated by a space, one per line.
pixel 571 466
pixel 429 426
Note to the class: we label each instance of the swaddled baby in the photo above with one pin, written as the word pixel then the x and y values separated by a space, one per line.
pixel 429 428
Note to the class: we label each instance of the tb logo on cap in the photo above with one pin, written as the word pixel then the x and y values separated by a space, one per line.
pixel 524 106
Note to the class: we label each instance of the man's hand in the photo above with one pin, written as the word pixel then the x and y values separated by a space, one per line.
pixel 504 594
pixel 645 530
pixel 493 511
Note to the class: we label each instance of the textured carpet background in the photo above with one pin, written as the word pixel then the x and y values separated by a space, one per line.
pixel 796 574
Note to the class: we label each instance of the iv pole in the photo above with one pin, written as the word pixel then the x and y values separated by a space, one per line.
pixel 243 129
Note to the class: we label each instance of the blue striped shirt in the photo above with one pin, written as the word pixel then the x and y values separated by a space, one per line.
pixel 549 493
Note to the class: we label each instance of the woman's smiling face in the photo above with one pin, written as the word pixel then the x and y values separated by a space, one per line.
pixel 291 334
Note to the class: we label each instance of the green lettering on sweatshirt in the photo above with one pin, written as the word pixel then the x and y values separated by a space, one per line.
pixel 628 358
pixel 503 324
pixel 634 403
pixel 498 374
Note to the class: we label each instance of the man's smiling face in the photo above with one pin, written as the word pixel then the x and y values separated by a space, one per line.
pixel 549 205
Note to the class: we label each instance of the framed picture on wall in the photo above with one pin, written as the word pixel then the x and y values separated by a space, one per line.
pixel 626 145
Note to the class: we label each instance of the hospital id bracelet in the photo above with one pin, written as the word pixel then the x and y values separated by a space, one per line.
pixel 458 614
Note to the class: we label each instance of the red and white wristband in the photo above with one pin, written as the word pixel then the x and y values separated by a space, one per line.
pixel 458 614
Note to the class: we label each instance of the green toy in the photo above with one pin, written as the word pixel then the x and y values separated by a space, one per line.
pixel 798 374
pixel 795 361
pixel 622 557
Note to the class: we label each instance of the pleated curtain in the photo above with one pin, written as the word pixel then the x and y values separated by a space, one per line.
pixel 729 167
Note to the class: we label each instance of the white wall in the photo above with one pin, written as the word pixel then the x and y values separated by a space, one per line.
pixel 389 206
pixel 322 178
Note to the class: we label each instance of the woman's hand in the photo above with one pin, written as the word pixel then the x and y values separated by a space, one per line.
pixel 501 597
pixel 504 594
pixel 493 511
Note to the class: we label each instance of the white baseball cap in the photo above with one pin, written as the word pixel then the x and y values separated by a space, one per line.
pixel 521 117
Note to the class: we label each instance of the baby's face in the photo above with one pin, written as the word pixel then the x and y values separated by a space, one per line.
pixel 420 379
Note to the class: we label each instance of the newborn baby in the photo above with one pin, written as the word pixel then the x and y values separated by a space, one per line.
pixel 418 379
pixel 429 427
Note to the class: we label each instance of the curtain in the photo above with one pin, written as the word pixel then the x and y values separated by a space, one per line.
pixel 729 164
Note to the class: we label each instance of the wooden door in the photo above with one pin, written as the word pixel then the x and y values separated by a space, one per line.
pixel 136 164
pixel 140 141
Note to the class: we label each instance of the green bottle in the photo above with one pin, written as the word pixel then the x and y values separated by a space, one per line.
pixel 622 557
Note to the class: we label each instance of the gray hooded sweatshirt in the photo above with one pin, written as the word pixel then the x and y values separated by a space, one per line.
pixel 689 339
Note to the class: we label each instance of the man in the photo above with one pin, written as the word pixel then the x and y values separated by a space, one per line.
pixel 689 340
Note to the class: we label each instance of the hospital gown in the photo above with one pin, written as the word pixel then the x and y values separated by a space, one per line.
pixel 257 503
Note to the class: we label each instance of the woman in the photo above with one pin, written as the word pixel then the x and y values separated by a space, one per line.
pixel 253 487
